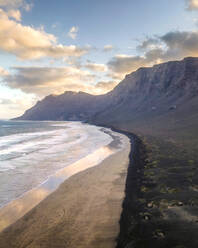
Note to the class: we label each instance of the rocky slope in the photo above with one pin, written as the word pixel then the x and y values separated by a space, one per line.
pixel 162 86
pixel 156 96
pixel 67 106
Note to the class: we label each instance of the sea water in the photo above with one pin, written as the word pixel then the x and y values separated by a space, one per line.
pixel 30 152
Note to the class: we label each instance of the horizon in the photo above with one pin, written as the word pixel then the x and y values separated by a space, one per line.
pixel 49 48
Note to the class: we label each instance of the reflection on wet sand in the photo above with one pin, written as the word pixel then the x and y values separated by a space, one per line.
pixel 19 207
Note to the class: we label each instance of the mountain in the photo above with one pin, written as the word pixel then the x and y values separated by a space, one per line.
pixel 153 98
pixel 67 106
pixel 161 96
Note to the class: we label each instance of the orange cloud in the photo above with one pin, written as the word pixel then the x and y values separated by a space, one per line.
pixel 43 81
pixel 29 43
pixel 96 67
pixel 16 14
pixel 192 4
pixel 46 80
pixel 3 72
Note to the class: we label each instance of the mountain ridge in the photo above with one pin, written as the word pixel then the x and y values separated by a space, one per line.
pixel 143 96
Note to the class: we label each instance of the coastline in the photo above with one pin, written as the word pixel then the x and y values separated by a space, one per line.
pixel 160 205
pixel 88 202
pixel 134 206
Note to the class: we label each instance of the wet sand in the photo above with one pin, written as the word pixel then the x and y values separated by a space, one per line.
pixel 17 208
pixel 83 212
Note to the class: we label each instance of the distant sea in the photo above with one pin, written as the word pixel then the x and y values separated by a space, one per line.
pixel 32 151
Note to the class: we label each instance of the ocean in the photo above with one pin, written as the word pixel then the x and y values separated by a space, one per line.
pixel 31 152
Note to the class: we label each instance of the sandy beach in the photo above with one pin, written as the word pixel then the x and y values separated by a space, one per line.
pixel 83 212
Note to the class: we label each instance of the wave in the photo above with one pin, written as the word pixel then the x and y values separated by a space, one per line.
pixel 28 159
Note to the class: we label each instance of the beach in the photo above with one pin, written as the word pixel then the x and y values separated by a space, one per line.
pixel 83 212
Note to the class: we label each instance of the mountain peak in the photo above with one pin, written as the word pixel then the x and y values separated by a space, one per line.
pixel 163 85
pixel 74 93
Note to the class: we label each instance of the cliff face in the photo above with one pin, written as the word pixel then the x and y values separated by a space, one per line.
pixel 161 96
pixel 144 95
pixel 162 83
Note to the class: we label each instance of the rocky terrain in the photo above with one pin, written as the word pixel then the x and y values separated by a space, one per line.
pixel 164 96
pixel 68 106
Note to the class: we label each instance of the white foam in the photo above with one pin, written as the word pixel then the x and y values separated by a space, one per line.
pixel 40 154
pixel 24 145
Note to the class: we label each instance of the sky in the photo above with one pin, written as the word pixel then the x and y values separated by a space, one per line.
pixel 49 47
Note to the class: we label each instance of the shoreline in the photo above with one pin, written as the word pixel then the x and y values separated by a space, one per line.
pixel 117 157
pixel 17 208
pixel 30 155
pixel 132 208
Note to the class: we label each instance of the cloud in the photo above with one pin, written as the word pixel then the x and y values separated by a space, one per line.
pixel 115 76
pixel 10 108
pixel 108 48
pixel 105 86
pixel 47 80
pixel 16 14
pixel 28 6
pixel 43 81
pixel 73 32
pixel 180 44
pixel 96 67
pixel 11 3
pixel 122 63
pixel 171 46
pixel 3 72
pixel 149 43
pixel 4 101
pixel 14 4
pixel 14 103
pixel 73 61
pixel 192 4
pixel 29 43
